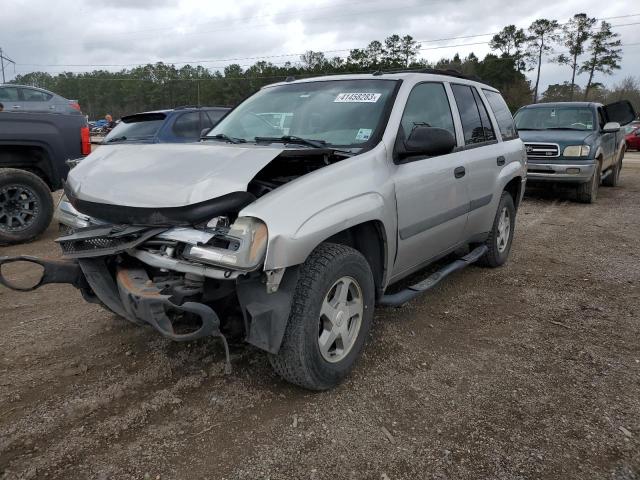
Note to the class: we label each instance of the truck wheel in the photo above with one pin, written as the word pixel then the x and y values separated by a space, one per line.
pixel 588 191
pixel 331 314
pixel 26 206
pixel 501 234
pixel 613 179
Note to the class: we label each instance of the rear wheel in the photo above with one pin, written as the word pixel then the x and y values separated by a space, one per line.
pixel 331 314
pixel 26 206
pixel 588 191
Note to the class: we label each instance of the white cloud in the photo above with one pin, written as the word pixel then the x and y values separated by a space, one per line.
pixel 122 32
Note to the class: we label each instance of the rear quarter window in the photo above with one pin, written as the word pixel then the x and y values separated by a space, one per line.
pixel 503 115
pixel 137 126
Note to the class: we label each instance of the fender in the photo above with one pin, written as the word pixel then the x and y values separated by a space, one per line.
pixel 313 208
pixel 284 250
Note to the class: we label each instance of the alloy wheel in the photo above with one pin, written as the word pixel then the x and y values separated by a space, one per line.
pixel 340 319
pixel 18 208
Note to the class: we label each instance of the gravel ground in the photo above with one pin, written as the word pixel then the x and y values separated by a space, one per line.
pixel 528 371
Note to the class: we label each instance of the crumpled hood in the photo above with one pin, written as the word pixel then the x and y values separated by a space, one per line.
pixel 561 137
pixel 166 175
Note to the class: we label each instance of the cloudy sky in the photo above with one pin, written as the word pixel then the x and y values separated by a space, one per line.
pixel 68 35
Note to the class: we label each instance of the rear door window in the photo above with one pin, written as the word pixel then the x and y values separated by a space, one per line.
pixel 214 116
pixel 187 125
pixel 475 130
pixel 502 113
pixel 30 95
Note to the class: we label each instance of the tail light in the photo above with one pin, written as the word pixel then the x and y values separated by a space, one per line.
pixel 85 141
pixel 75 105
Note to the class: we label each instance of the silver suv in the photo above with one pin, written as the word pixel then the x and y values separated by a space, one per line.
pixel 292 218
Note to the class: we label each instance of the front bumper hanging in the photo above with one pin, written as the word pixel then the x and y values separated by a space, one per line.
pixel 131 295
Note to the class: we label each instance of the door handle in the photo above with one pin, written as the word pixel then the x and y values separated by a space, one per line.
pixel 459 172
pixel 501 161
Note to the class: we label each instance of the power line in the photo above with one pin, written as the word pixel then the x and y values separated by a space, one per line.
pixel 201 61
pixel 256 77
pixel 2 60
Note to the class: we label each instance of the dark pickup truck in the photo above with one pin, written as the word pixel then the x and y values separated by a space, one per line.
pixel 34 148
pixel 575 143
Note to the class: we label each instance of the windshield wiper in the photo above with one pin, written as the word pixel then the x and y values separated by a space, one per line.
pixel 566 128
pixel 224 137
pixel 522 128
pixel 117 139
pixel 293 139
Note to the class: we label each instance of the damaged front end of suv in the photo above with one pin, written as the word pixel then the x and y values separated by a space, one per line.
pixel 160 234
pixel 189 266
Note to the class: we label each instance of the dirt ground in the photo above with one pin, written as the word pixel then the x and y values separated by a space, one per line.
pixel 527 371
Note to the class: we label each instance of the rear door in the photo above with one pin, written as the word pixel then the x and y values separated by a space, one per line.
pixel 485 157
pixel 621 112
pixel 431 192
pixel 36 101
pixel 10 99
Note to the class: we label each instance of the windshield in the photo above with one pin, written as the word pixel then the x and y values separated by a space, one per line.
pixel 342 113
pixel 557 118
pixel 134 127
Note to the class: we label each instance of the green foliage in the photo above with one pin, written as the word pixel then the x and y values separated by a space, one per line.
pixel 604 54
pixel 575 35
pixel 560 92
pixel 511 42
pixel 542 36
pixel 157 86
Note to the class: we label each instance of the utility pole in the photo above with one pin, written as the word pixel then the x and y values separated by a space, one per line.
pixel 2 59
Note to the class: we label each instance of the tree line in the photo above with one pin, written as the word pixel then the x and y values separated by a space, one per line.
pixel 591 49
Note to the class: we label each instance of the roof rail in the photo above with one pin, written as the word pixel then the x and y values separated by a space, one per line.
pixel 182 107
pixel 434 71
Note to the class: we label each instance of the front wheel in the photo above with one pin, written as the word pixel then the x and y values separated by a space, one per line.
pixel 501 234
pixel 614 177
pixel 588 191
pixel 26 206
pixel 331 315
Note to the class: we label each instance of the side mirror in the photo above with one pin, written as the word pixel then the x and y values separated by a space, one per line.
pixel 429 141
pixel 204 131
pixel 611 127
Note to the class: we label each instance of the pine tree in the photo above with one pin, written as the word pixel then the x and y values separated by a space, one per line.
pixel 542 35
pixel 575 34
pixel 510 42
pixel 604 54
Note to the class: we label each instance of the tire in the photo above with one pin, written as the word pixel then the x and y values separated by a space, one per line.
pixel 301 360
pixel 26 206
pixel 614 177
pixel 588 192
pixel 497 244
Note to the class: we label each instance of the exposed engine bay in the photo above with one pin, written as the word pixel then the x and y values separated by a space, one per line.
pixel 288 166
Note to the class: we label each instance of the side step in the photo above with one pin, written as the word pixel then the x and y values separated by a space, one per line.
pixel 409 293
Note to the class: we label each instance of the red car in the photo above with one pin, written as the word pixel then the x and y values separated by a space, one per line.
pixel 632 137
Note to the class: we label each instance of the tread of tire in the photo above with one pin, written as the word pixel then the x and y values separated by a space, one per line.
pixel 47 206
pixel 286 363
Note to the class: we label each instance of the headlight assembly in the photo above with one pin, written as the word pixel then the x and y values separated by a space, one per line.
pixel 577 151
pixel 242 248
